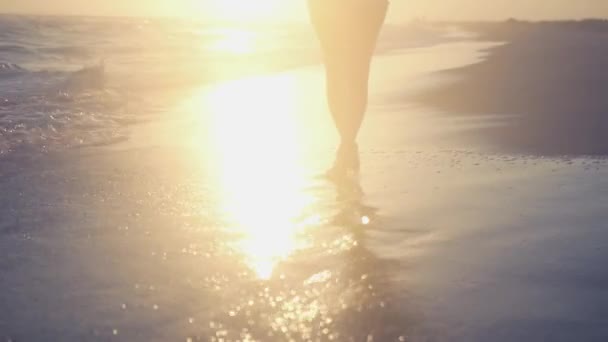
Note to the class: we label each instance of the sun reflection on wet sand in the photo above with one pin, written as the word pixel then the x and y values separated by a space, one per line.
pixel 293 263
pixel 261 167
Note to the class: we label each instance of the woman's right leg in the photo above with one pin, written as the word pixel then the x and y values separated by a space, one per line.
pixel 347 87
pixel 347 93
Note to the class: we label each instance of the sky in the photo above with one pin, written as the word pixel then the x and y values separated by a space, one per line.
pixel 401 10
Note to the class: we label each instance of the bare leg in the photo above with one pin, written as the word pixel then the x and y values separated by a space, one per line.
pixel 347 93
pixel 348 37
pixel 353 97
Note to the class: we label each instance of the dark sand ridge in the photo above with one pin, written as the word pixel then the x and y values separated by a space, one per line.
pixel 546 86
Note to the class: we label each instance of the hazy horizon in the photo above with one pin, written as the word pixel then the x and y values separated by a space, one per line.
pixel 275 10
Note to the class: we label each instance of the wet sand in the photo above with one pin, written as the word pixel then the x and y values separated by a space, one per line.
pixel 213 227
pixel 543 90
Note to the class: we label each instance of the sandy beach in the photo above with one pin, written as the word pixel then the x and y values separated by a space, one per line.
pixel 181 234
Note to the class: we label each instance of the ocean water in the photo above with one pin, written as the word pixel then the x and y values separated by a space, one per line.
pixel 209 224
pixel 252 247
pixel 69 82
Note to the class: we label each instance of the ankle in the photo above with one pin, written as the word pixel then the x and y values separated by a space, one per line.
pixel 348 147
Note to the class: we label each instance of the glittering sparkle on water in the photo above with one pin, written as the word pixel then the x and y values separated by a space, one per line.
pixel 365 220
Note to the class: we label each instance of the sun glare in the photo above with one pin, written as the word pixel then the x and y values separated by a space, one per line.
pixel 246 10
pixel 259 133
pixel 259 155
pixel 236 42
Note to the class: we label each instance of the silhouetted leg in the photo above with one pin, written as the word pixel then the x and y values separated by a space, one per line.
pixel 338 96
pixel 333 88
pixel 354 97
pixel 347 99
pixel 347 92
pixel 348 36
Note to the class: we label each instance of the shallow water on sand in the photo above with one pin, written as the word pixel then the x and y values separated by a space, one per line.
pixel 156 244
pixel 221 231
pixel 210 224
pixel 73 82
pixel 173 255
